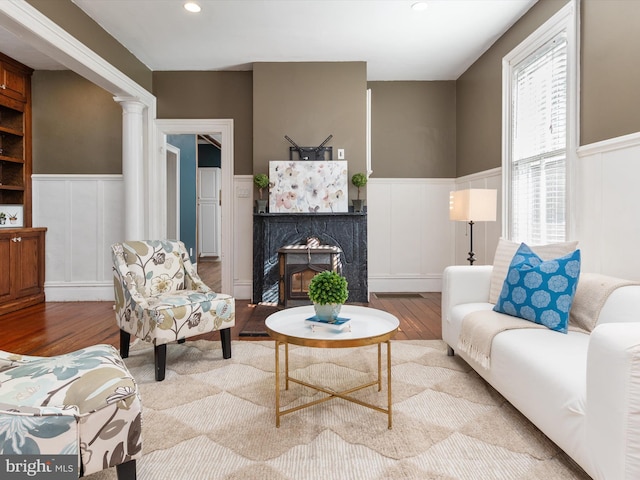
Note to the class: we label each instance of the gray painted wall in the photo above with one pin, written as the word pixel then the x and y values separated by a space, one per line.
pixel 308 102
pixel 413 129
pixel 610 70
pixel 77 126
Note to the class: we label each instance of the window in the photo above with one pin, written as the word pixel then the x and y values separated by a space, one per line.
pixel 538 131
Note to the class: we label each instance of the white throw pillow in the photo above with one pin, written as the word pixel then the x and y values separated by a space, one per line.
pixel 504 254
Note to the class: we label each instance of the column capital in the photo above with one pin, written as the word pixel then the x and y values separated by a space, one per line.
pixel 131 104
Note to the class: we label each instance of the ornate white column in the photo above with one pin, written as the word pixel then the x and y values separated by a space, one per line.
pixel 133 166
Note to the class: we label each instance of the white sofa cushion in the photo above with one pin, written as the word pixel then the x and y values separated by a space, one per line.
pixel 543 374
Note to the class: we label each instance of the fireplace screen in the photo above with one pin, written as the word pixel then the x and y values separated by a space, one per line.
pixel 298 264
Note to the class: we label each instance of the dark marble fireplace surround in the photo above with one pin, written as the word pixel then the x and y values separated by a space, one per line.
pixel 272 231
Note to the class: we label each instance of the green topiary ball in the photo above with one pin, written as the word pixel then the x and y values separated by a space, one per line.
pixel 328 287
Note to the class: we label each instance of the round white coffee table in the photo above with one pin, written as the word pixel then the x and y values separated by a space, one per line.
pixel 366 326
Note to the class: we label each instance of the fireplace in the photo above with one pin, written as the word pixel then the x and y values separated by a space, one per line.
pixel 298 264
pixel 271 231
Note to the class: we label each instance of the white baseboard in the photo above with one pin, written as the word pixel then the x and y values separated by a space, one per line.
pixel 426 283
pixel 79 291
pixel 243 290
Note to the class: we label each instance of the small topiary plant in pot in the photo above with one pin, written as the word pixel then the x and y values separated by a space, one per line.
pixel 358 180
pixel 328 291
pixel 261 181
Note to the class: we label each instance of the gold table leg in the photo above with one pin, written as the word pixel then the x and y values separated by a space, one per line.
pixel 332 394
pixel 379 367
pixel 286 366
pixel 388 381
pixel 277 384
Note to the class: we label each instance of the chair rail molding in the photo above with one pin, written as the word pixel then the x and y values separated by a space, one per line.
pixel 609 145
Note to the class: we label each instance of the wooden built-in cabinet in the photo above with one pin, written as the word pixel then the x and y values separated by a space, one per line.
pixel 22 271
pixel 21 249
pixel 15 136
pixel 14 79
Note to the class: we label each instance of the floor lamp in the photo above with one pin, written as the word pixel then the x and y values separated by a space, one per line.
pixel 473 205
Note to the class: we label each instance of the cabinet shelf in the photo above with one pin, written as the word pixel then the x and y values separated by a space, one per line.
pixel 10 131
pixel 4 158
pixel 16 188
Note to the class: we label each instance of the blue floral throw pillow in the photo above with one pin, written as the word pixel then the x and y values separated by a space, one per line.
pixel 540 291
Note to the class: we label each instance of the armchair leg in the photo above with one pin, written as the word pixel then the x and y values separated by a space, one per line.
pixel 125 339
pixel 225 338
pixel 450 351
pixel 127 470
pixel 160 356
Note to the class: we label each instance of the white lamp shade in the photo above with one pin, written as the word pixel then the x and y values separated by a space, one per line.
pixel 475 204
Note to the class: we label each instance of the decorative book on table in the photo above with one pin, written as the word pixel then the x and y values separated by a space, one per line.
pixel 340 323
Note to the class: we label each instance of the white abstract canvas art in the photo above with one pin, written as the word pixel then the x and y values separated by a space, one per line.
pixel 308 186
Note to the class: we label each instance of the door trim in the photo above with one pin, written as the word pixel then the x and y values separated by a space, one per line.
pixel 176 152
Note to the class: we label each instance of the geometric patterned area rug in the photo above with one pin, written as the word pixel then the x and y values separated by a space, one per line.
pixel 215 419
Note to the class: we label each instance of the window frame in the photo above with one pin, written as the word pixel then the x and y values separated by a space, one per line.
pixel 566 19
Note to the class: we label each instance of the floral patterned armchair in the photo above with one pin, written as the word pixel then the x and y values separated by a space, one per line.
pixel 83 404
pixel 161 299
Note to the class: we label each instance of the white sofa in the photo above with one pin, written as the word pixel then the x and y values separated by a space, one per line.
pixel 581 390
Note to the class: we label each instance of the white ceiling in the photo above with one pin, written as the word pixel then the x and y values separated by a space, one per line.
pixel 396 42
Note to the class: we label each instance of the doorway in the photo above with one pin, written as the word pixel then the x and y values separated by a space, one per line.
pixel 222 129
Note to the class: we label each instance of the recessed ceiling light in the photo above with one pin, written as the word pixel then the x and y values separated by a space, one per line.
pixel 420 6
pixel 192 7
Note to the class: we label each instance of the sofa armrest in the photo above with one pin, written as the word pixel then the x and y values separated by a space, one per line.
pixel 465 284
pixel 613 400
pixel 621 306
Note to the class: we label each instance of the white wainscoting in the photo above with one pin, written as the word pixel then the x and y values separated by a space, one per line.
pixel 410 237
pixel 84 216
pixel 608 200
pixel 412 240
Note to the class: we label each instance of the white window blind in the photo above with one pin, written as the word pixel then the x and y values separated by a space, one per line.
pixel 539 144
